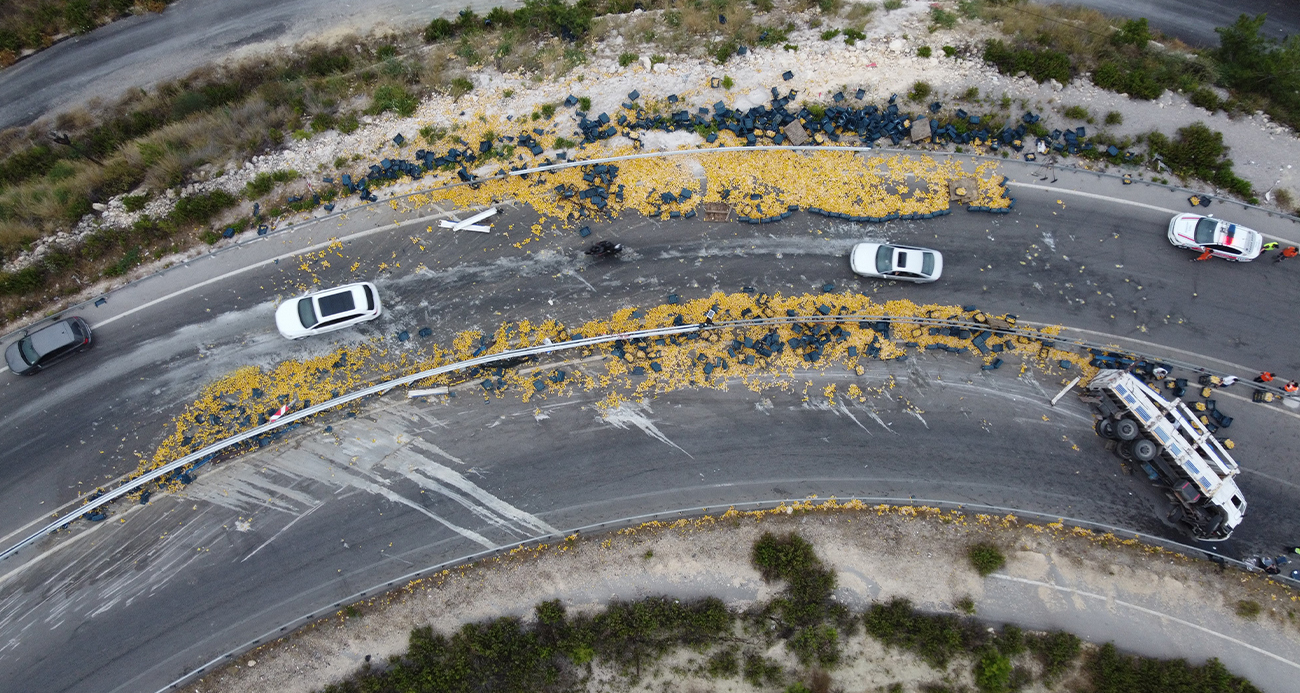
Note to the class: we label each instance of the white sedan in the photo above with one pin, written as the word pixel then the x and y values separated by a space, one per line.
pixel 328 310
pixel 1220 238
pixel 900 262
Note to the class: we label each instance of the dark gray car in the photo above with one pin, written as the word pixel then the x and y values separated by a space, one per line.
pixel 35 351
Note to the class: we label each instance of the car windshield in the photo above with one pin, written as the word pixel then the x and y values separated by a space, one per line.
pixel 28 353
pixel 884 259
pixel 927 264
pixel 305 313
pixel 1205 231
pixel 334 304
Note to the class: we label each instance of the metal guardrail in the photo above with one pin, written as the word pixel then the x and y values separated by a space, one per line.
pixel 687 513
pixel 153 475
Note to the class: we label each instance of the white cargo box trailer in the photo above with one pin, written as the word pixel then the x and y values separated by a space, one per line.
pixel 1177 452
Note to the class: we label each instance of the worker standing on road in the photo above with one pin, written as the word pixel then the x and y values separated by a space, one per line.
pixel 1291 388
pixel 1264 377
pixel 1289 251
pixel 1271 245
pixel 1228 381
pixel 1203 256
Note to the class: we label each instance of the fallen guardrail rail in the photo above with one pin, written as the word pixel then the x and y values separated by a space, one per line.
pixel 205 454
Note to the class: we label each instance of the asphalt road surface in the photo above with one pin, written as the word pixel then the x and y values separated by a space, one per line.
pixel 142 51
pixel 259 541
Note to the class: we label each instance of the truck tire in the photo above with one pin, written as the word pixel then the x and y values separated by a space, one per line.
pixel 1145 450
pixel 1127 429
pixel 1125 450
pixel 1106 429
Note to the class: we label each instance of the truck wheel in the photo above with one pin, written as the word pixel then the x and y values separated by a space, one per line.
pixel 1125 450
pixel 1145 450
pixel 1176 513
pixel 1126 429
pixel 1106 429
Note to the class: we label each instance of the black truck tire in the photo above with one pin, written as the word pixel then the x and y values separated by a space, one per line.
pixel 1127 429
pixel 1106 429
pixel 1145 450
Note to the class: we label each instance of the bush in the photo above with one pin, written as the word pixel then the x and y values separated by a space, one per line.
pixel 134 203
pixel 1135 32
pixel 460 86
pixel 627 58
pixel 993 672
pixel 728 82
pixel 1206 98
pixel 816 645
pixel 723 664
pixel 263 182
pixel 936 639
pixel 760 670
pixel 199 209
pixel 830 34
pixel 1112 672
pixel 1199 152
pixel 1114 118
pixel 985 558
pixel 1077 113
pixel 949 51
pixel 852 36
pixel 25 281
pixel 920 91
pixel 1041 64
pixel 806 599
pixel 393 97
pixel 348 124
pixel 1134 80
pixel 1056 651
pixel 942 18
pixel 1247 609
pixel 923 52
pixel 1257 65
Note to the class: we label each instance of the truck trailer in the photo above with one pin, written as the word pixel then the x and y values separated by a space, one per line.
pixel 1175 451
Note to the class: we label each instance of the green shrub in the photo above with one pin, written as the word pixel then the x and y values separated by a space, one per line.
pixel 891 5
pixel 852 36
pixel 920 91
pixel 584 103
pixel 1199 152
pixel 27 280
pixel 1206 98
pixel 1114 118
pixel 322 122
pixel 1135 32
pixel 1056 651
pixel 986 558
pixel 993 672
pixel 760 671
pixel 627 58
pixel 1247 609
pixel 923 52
pixel 124 264
pixel 1135 80
pixel 936 639
pixel 1077 113
pixel 728 82
pixel 942 18
pixel 395 98
pixel 1112 672
pixel 1261 66
pixel 830 34
pixel 816 645
pixel 966 605
pixel 1041 64
pixel 264 182
pixel 199 209
pixel 348 123
pixel 949 51
pixel 134 203
pixel 723 664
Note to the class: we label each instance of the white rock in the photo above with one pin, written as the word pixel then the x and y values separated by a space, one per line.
pixel 661 67
pixel 897 45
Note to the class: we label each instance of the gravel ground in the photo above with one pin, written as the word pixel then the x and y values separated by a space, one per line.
pixel 877 556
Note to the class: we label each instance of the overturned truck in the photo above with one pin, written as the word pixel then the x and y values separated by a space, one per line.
pixel 1175 451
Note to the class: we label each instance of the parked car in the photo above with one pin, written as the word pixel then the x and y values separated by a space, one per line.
pixel 900 262
pixel 1223 239
pixel 38 350
pixel 328 310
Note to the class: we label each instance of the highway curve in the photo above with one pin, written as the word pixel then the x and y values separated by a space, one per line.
pixel 271 536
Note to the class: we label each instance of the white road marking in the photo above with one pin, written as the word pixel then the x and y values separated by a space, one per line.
pixel 1151 612
pixel 249 268
pixel 627 413
pixel 282 531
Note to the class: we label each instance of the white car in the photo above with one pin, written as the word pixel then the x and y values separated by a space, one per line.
pixel 328 310
pixel 900 262
pixel 1222 239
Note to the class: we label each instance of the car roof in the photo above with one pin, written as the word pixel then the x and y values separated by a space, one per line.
pixel 1233 235
pixel 55 336
pixel 340 301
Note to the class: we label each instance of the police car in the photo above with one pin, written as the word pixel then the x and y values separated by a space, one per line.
pixel 1222 239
